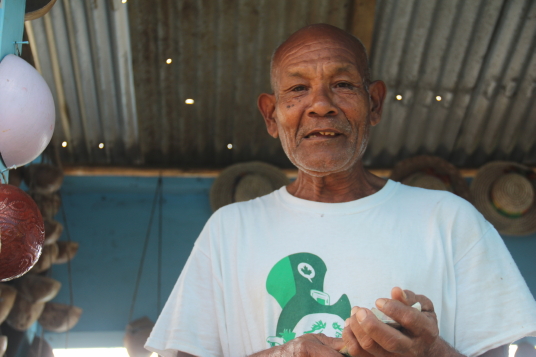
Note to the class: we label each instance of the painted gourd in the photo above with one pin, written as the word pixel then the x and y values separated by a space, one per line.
pixel 23 232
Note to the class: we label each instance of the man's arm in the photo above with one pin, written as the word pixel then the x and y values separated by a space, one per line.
pixel 310 345
pixel 497 352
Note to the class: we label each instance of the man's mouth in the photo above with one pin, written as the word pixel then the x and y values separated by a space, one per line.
pixel 322 134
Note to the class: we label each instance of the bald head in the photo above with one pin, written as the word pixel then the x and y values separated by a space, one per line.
pixel 319 32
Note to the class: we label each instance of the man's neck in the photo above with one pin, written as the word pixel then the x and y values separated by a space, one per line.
pixel 339 187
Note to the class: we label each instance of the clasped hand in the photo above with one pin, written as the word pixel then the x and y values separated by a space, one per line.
pixel 365 336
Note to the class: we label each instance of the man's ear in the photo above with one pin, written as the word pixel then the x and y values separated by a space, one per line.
pixel 266 104
pixel 377 92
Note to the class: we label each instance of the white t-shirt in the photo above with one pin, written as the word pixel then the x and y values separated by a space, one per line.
pixel 268 270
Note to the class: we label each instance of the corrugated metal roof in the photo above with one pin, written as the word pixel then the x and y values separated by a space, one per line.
pixel 478 55
pixel 82 49
pixel 221 53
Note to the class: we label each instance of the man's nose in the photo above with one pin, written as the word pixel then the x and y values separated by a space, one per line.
pixel 322 104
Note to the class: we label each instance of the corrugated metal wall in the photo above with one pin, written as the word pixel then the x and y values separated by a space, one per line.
pixel 478 56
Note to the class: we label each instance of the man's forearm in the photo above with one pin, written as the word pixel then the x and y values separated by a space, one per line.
pixel 442 349
pixel 271 352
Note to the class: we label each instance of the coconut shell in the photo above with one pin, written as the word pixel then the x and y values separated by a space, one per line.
pixel 8 294
pixel 23 232
pixel 59 317
pixel 137 333
pixel 40 348
pixel 3 345
pixel 37 288
pixel 43 178
pixel 67 251
pixel 53 231
pixel 24 313
pixel 48 204
pixel 49 256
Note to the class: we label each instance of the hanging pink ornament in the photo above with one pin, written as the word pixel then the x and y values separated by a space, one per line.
pixel 22 232
pixel 27 114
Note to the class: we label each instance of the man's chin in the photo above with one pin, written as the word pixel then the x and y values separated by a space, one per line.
pixel 322 168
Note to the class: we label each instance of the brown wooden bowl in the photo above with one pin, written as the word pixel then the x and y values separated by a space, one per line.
pixel 67 251
pixel 59 317
pixel 24 313
pixel 37 288
pixel 8 294
pixel 49 256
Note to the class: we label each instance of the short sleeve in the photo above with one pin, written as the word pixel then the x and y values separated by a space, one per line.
pixel 494 304
pixel 191 319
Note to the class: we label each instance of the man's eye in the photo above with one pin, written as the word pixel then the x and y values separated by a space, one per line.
pixel 298 89
pixel 344 85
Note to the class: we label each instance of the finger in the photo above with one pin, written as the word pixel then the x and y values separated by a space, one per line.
pixel 426 304
pixel 364 340
pixel 400 295
pixel 411 319
pixel 409 298
pixel 376 337
pixel 335 343
pixel 351 345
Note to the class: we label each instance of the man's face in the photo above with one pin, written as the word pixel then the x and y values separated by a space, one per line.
pixel 321 108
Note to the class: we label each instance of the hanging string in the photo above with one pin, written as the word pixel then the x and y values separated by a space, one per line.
pixel 40 348
pixel 69 270
pixel 159 273
pixel 140 269
pixel 4 179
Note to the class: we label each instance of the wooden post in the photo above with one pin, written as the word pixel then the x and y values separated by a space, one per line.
pixel 11 26
pixel 361 21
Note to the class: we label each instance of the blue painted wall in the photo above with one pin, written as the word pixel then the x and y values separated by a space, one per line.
pixel 109 216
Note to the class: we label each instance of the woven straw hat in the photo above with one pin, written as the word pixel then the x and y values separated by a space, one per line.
pixel 433 173
pixel 504 192
pixel 245 181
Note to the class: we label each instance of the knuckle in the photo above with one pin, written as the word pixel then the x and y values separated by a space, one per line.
pixel 354 349
pixel 434 333
pixel 367 343
pixel 408 318
pixel 394 344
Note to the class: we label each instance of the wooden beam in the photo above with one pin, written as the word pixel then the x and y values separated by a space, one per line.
pixel 208 173
pixel 361 21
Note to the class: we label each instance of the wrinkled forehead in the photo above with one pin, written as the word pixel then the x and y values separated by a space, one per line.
pixel 327 53
pixel 332 51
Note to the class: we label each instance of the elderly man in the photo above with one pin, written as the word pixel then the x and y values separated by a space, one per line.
pixel 297 272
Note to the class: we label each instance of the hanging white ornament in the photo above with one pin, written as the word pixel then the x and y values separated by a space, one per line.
pixel 27 114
